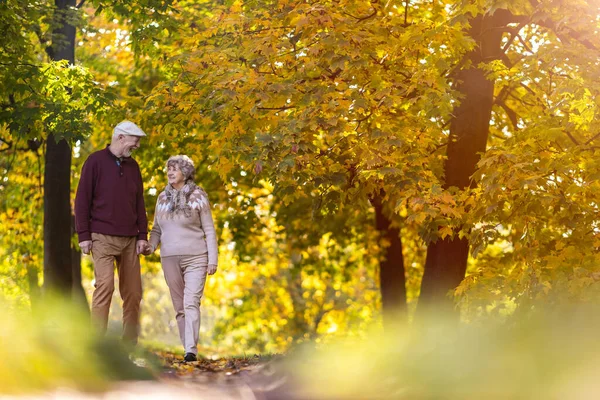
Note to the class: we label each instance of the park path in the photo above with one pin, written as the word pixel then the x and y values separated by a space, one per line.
pixel 253 378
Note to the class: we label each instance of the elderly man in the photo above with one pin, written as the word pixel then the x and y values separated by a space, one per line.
pixel 111 223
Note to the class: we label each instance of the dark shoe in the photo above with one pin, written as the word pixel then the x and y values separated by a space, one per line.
pixel 189 357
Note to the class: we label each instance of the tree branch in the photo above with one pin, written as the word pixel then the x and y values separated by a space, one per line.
pixel 437 147
pixel 9 145
pixel 23 64
pixel 571 33
pixel 596 136
pixel 515 33
pixel 272 28
pixel 503 17
pixel 525 44
pixel 541 102
pixel 276 108
pixel 505 60
pixel 512 115
pixel 43 38
pixel 572 138
pixel 360 19
pixel 501 101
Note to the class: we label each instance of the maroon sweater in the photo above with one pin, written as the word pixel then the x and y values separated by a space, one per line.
pixel 110 198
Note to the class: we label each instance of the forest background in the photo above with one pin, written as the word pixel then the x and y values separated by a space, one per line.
pixel 367 162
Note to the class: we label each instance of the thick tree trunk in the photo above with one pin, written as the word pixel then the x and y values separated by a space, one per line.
pixel 391 268
pixel 58 274
pixel 446 262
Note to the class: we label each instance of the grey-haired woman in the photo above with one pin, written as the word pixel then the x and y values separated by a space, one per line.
pixel 184 228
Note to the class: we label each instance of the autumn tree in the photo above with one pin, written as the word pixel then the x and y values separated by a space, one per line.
pixel 537 197
pixel 51 101
pixel 347 101
pixel 316 99
pixel 509 48
pixel 45 103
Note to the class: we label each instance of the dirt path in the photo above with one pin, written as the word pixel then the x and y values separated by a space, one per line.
pixel 234 378
pixel 253 378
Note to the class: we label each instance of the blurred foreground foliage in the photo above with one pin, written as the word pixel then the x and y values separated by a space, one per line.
pixel 54 346
pixel 550 353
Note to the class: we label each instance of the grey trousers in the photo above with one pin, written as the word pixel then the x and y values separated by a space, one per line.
pixel 186 276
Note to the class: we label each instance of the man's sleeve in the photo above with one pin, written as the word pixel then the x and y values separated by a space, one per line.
pixel 83 201
pixel 142 218
pixel 156 232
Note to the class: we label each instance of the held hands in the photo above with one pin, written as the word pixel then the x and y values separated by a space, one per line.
pixel 143 247
pixel 86 246
pixel 148 250
pixel 211 269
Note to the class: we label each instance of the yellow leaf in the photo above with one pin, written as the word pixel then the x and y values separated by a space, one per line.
pixel 445 231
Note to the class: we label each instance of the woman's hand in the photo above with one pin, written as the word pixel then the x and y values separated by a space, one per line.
pixel 147 250
pixel 211 269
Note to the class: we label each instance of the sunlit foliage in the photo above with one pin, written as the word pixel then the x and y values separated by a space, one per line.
pixel 298 113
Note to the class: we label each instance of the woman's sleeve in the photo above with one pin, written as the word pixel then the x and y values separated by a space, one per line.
pixel 208 226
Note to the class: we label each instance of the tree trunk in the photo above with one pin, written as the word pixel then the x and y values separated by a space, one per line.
pixel 32 278
pixel 391 268
pixel 446 261
pixel 58 275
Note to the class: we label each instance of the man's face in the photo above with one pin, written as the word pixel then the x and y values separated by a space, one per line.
pixel 129 143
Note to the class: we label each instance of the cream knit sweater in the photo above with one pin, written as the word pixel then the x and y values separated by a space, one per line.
pixel 180 235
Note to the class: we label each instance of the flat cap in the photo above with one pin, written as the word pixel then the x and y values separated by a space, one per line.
pixel 128 128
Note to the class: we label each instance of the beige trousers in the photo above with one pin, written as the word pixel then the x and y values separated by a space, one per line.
pixel 186 276
pixel 106 250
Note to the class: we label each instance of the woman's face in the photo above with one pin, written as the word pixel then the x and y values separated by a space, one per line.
pixel 175 176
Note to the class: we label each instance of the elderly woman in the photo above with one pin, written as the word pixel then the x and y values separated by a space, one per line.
pixel 184 228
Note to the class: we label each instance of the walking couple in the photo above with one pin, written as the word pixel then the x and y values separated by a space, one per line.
pixel 112 225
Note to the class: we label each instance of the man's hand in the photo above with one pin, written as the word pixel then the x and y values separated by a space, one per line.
pixel 211 269
pixel 86 246
pixel 141 247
